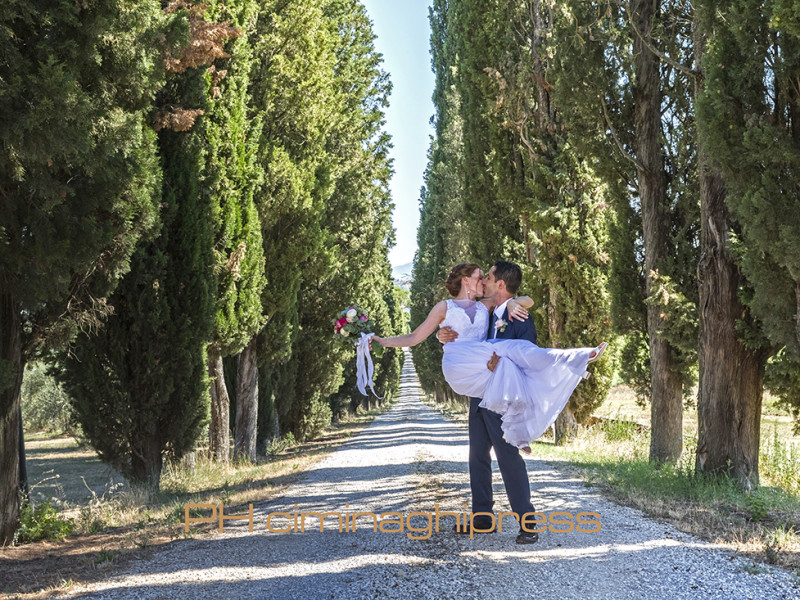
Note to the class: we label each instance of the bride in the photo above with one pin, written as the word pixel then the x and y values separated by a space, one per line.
pixel 529 388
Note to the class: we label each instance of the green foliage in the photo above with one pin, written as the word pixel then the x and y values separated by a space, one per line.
pixel 443 235
pixel 290 89
pixel 276 446
pixel 139 386
pixel 593 73
pixel 782 378
pixel 779 463
pixel 42 522
pixel 757 506
pixel 231 176
pixel 45 404
pixel 78 170
pixel 679 325
pixel 619 429
pixel 748 118
pixel 319 93
pixel 634 362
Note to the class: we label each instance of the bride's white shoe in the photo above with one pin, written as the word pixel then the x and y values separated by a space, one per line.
pixel 598 352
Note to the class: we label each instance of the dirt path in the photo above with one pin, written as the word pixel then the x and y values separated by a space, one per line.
pixel 405 461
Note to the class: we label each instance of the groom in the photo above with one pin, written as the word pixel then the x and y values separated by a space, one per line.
pixel 501 283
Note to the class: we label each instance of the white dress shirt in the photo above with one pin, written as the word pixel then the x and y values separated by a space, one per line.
pixel 498 314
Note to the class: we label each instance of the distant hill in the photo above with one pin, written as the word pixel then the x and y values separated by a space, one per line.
pixel 402 275
pixel 401 270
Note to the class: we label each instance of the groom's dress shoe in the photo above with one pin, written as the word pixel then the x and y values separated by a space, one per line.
pixel 527 537
pixel 481 526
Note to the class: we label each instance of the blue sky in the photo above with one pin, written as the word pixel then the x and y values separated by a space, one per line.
pixel 403 38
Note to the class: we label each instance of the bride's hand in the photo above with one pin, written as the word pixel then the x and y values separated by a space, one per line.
pixel 375 338
pixel 516 311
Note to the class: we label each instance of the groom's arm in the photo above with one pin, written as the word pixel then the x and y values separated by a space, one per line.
pixel 446 335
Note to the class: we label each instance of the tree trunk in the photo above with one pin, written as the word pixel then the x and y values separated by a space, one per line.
pixel 666 407
pixel 276 426
pixel 566 427
pixel 246 403
pixel 146 463
pixel 731 376
pixel 218 432
pixel 23 467
pixel 11 368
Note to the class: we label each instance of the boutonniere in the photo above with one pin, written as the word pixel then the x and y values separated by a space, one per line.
pixel 500 325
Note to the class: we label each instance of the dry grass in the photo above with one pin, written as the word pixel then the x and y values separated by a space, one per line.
pixel 621 403
pixel 117 524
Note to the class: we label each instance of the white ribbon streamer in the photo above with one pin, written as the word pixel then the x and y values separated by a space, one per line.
pixel 364 367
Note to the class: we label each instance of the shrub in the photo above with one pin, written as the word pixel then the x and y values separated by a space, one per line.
pixel 316 420
pixel 276 446
pixel 42 522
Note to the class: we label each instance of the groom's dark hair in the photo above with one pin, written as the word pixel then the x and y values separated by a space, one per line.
pixel 510 273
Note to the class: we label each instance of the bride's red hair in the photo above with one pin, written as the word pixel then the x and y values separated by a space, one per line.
pixel 461 270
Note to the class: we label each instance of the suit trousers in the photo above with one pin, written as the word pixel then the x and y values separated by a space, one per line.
pixel 484 434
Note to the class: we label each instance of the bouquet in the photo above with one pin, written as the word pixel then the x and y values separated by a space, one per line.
pixel 353 327
pixel 352 321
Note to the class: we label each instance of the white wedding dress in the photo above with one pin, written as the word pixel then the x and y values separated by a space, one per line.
pixel 529 387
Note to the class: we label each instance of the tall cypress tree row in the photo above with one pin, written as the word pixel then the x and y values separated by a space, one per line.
pixel 531 197
pixel 493 178
pixel 78 179
pixel 232 175
pixel 138 386
pixel 591 73
pixel 356 229
pixel 633 114
pixel 324 205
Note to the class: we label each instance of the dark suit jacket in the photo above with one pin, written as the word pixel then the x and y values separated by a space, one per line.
pixel 516 329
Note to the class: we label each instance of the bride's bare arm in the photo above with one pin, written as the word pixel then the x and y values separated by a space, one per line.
pixel 427 327
pixel 518 308
pixel 524 301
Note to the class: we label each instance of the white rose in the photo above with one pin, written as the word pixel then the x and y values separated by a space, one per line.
pixel 344 332
pixel 351 315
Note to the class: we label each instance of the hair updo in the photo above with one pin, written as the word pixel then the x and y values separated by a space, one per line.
pixel 461 270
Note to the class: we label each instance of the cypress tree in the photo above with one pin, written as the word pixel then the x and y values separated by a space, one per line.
pixel 139 387
pixel 561 205
pixel 290 88
pixel 493 178
pixel 747 113
pixel 666 400
pixel 442 235
pixel 78 174
pixel 232 175
pixel 531 195
pixel 624 110
pixel 356 230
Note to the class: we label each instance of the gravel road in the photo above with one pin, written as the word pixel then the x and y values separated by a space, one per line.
pixel 407 460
